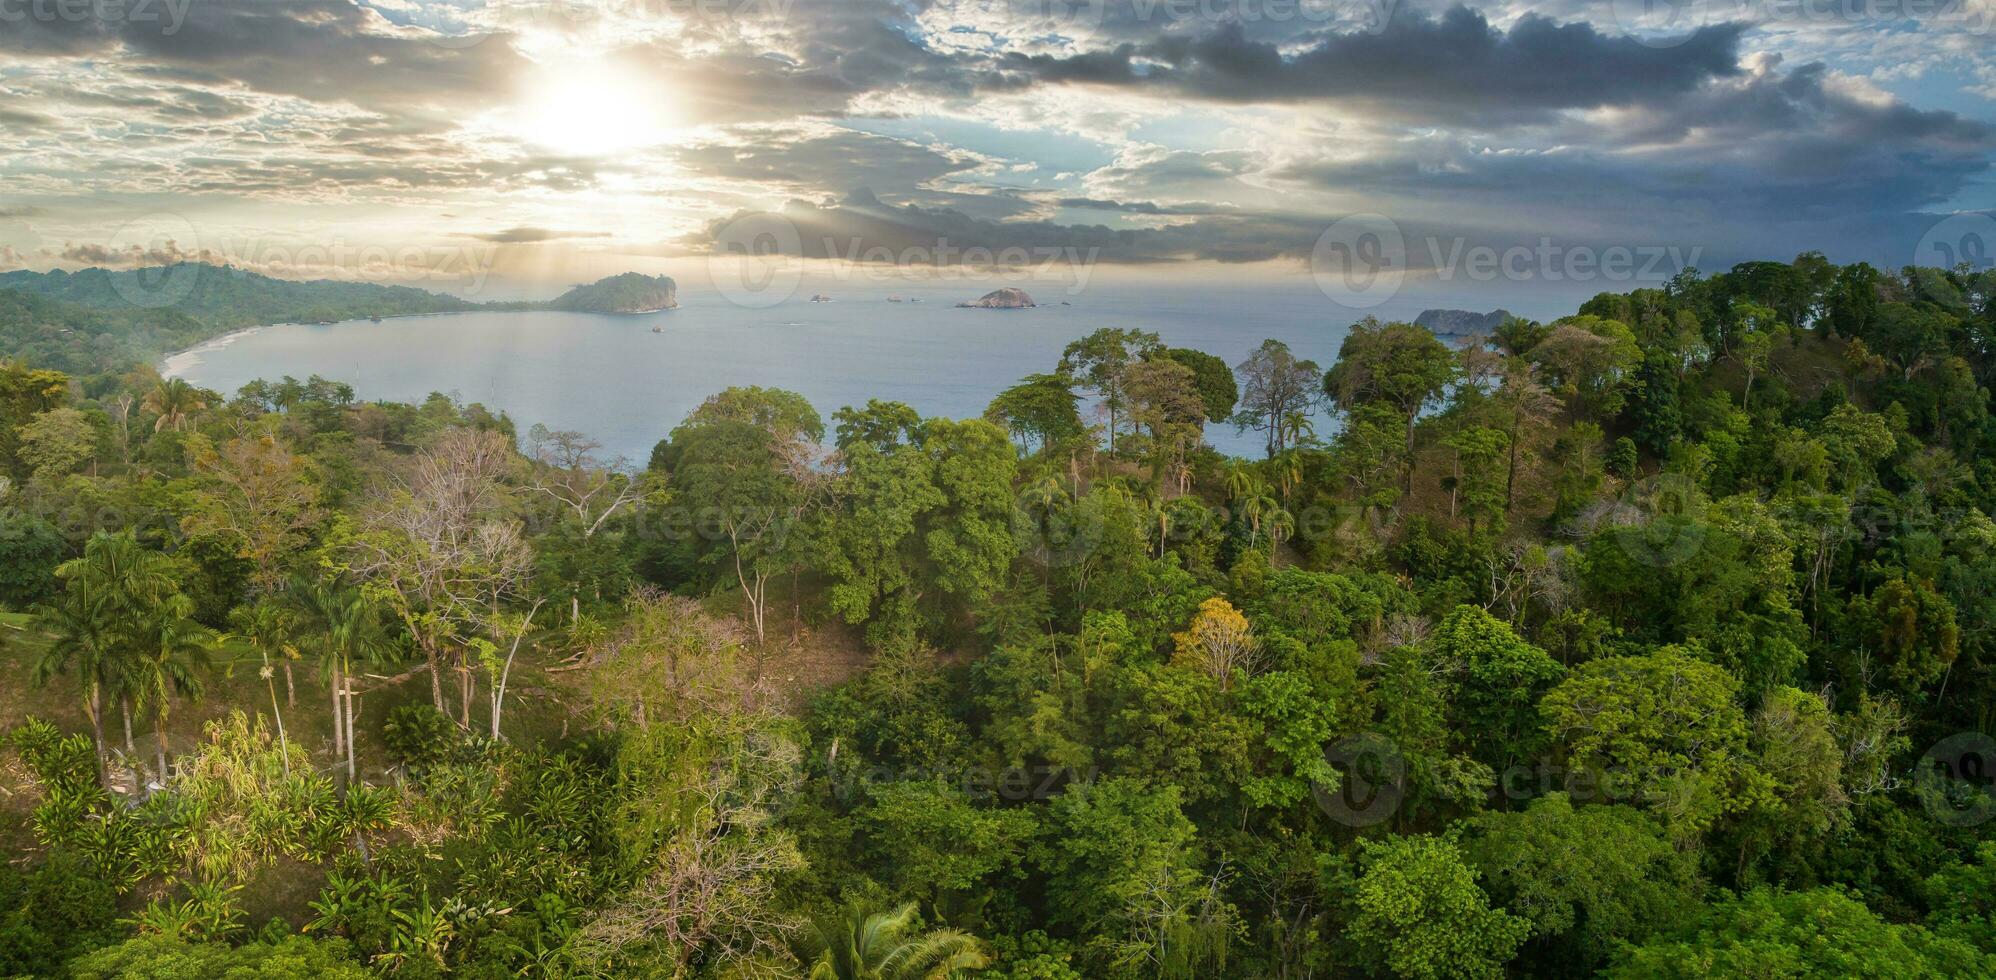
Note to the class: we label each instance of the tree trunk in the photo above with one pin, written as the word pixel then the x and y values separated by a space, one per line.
pixel 159 744
pixel 283 741
pixel 347 697
pixel 465 681
pixel 290 686
pixel 339 724
pixel 95 702
pixel 436 678
pixel 125 712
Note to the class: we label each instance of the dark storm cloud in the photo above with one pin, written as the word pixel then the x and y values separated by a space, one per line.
pixel 1456 66
pixel 1767 147
pixel 322 50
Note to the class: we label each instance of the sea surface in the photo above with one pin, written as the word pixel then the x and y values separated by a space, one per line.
pixel 627 386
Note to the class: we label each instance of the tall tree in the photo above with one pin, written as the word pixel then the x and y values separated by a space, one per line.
pixel 1398 365
pixel 1278 392
pixel 105 618
pixel 745 459
pixel 1101 361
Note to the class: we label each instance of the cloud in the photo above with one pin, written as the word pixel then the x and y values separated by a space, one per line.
pixel 22 118
pixel 862 228
pixel 1456 67
pixel 530 236
pixel 166 253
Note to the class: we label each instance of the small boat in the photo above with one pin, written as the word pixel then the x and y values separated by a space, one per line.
pixel 658 330
pixel 894 299
pixel 374 319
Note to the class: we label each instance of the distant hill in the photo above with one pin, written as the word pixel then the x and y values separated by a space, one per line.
pixel 83 340
pixel 1462 323
pixel 227 298
pixel 630 292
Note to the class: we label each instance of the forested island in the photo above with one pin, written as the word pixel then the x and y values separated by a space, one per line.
pixel 1655 640
pixel 630 292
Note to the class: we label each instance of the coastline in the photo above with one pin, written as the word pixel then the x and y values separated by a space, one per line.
pixel 176 363
pixel 173 363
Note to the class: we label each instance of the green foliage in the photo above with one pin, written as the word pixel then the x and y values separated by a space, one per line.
pixel 161 958
pixel 1416 911
pixel 1821 932
pixel 1587 878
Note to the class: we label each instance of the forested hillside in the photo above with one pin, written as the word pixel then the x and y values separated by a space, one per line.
pixel 134 315
pixel 1653 641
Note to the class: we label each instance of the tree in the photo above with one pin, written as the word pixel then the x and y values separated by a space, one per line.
pixel 440 551
pixel 1822 932
pixel 1587 878
pixel 1220 642
pixel 108 614
pixel 1101 361
pixel 260 497
pixel 862 945
pixel 56 442
pixel 744 458
pixel 1663 729
pixel 173 648
pixel 270 627
pixel 1398 365
pixel 1041 407
pixel 940 845
pixel 1587 359
pixel 1278 392
pixel 1217 388
pixel 1499 679
pixel 1417 911
pixel 1164 399
pixel 30 550
pixel 1117 853
pixel 341 626
pixel 172 401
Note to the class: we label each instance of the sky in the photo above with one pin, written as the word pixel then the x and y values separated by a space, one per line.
pixel 508 148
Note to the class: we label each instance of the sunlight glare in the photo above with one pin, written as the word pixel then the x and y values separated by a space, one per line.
pixel 589 110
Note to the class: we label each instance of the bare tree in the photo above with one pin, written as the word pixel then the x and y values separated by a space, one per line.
pixel 438 550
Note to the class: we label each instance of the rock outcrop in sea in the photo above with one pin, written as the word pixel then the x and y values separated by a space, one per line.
pixel 1008 298
pixel 1462 323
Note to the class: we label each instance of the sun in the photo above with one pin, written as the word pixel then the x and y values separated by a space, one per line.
pixel 583 109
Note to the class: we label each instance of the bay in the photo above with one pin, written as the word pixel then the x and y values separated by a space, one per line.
pixel 627 386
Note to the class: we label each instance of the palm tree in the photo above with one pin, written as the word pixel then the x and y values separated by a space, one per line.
pixel 81 639
pixel 173 400
pixel 166 666
pixel 861 946
pixel 344 626
pixel 101 622
pixel 267 626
